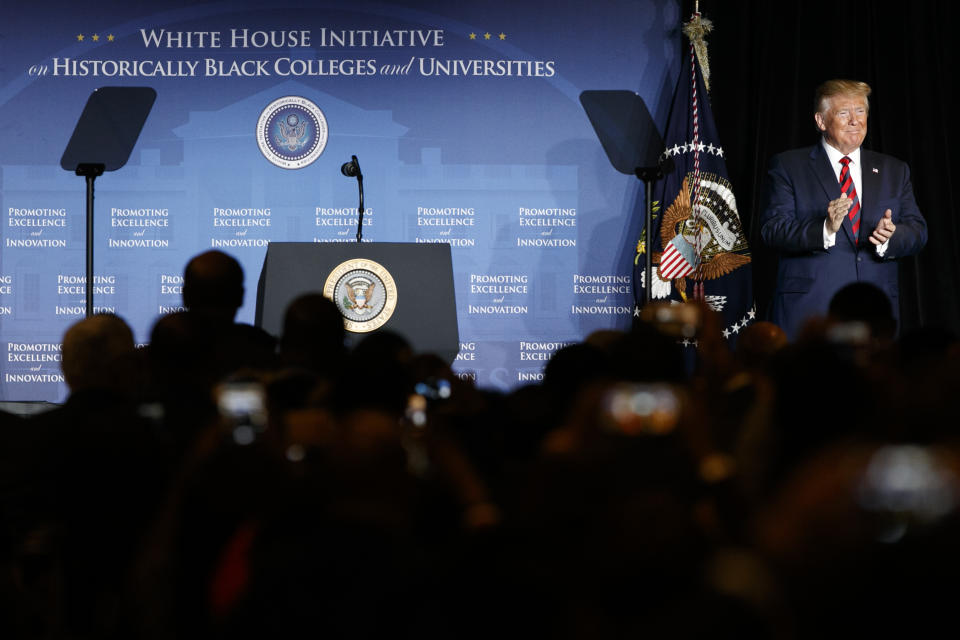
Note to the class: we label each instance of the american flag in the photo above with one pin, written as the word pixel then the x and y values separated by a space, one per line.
pixel 698 244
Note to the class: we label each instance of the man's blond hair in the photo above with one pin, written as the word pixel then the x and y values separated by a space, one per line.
pixel 832 88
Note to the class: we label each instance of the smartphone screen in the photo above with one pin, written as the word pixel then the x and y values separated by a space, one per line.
pixel 242 408
pixel 642 409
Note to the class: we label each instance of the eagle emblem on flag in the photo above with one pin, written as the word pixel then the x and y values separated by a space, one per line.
pixel 704 244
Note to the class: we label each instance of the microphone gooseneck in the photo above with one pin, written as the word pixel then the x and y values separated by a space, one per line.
pixel 352 170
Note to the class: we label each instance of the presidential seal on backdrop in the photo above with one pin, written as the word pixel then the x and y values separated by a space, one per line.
pixel 292 132
pixel 364 292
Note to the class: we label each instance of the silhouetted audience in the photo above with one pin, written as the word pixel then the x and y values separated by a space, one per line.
pixel 313 335
pixel 213 292
pixel 759 343
pixel 213 286
pixel 866 303
pixel 92 472
pixel 227 483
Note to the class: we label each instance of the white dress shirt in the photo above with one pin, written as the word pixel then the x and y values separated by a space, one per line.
pixel 856 172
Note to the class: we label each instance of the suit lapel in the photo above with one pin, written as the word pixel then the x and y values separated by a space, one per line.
pixel 870 216
pixel 820 164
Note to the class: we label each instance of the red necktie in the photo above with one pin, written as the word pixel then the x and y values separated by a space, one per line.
pixel 847 188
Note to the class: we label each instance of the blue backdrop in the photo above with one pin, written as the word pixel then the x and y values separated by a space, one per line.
pixel 465 119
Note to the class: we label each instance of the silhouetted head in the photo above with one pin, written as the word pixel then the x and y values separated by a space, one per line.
pixel 97 353
pixel 604 339
pixel 377 373
pixel 213 285
pixel 313 333
pixel 647 354
pixel 182 351
pixel 571 368
pixel 867 303
pixel 759 342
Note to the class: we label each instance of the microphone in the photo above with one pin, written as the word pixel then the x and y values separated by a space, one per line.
pixel 667 165
pixel 351 169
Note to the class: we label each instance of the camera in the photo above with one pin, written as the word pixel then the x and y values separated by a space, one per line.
pixel 854 334
pixel 433 389
pixel 680 320
pixel 908 486
pixel 642 409
pixel 242 409
pixel 426 393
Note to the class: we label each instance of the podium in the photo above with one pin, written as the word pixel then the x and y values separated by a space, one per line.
pixel 410 286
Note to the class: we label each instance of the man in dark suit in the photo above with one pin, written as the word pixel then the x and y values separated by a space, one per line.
pixel 837 213
pixel 213 293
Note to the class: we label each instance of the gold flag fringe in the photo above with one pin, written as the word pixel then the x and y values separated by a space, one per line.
pixel 696 30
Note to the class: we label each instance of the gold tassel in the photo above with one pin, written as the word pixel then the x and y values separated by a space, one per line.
pixel 696 30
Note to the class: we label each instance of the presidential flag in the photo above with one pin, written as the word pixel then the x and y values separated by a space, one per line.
pixel 699 248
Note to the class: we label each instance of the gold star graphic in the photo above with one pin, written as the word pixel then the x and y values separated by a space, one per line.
pixel 487 36
pixel 473 36
pixel 96 37
pixel 502 36
pixel 80 38
pixel 110 38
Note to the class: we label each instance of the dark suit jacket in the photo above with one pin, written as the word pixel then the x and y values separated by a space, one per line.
pixel 800 184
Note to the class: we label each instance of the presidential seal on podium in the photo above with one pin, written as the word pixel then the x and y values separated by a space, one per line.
pixel 364 292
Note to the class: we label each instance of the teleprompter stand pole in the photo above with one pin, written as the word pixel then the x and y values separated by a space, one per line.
pixel 648 175
pixel 91 172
